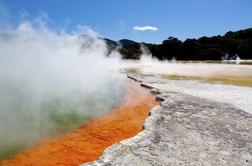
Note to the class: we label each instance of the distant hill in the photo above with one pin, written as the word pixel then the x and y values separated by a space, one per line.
pixel 126 42
pixel 129 49
pixel 232 45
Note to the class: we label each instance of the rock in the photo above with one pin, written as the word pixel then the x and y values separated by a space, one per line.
pixel 185 130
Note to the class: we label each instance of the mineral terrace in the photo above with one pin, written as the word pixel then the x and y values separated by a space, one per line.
pixel 185 130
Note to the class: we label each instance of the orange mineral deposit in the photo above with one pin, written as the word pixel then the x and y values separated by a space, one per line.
pixel 88 142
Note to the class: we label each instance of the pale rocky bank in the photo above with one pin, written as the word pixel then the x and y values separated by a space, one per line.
pixel 186 129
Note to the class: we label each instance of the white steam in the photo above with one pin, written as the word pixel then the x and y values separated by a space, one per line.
pixel 51 82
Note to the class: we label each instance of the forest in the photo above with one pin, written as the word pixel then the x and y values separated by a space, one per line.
pixel 230 46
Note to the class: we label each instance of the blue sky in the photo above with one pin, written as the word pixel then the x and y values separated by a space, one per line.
pixel 116 19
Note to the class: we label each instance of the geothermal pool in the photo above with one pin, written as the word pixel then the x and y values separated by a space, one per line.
pixel 88 142
pixel 28 117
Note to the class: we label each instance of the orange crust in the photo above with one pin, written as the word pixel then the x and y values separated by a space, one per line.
pixel 89 141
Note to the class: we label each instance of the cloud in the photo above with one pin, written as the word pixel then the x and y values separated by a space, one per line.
pixel 145 28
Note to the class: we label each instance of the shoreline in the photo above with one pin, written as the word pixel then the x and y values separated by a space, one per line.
pixel 185 130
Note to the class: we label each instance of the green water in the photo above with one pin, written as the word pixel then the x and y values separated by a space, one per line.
pixel 27 117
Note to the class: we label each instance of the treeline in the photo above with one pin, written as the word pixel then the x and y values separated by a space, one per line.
pixel 232 45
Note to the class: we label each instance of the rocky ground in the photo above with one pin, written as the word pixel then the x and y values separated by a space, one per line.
pixel 185 130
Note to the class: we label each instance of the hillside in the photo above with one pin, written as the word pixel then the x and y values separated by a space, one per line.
pixel 232 45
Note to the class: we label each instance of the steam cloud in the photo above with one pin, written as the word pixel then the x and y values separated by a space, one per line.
pixel 51 82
